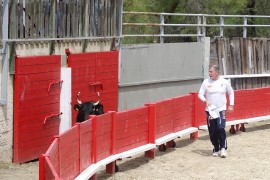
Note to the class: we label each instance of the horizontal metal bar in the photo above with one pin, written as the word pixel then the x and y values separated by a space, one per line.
pixel 3 102
pixel 186 14
pixel 61 39
pixel 196 25
pixel 234 25
pixel 245 76
pixel 162 35
pixel 159 81
pixel 155 24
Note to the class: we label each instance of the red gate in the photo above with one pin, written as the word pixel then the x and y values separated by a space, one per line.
pixel 95 72
pixel 36 105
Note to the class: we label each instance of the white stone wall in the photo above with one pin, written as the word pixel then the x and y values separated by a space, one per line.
pixel 6 124
pixel 35 49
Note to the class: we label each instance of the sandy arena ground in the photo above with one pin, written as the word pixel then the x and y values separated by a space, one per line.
pixel 248 158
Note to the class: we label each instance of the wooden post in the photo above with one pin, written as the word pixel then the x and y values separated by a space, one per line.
pixel 41 167
pixel 94 144
pixel 52 23
pixel 195 122
pixel 110 168
pixel 152 118
pixel 94 135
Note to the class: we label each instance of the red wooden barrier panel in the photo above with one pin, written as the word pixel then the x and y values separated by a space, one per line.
pixel 182 112
pixel 248 103
pixel 251 103
pixel 131 129
pixel 95 72
pixel 86 141
pixel 164 118
pixel 50 172
pixel 36 105
pixel 107 74
pixel 198 110
pixel 49 162
pixel 117 132
pixel 104 136
pixel 69 153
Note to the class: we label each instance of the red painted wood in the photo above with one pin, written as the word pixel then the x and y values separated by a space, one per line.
pixel 50 172
pixel 94 142
pixel 86 140
pixel 88 68
pixel 164 118
pixel 151 117
pixel 132 128
pixel 113 137
pixel 110 168
pixel 104 133
pixel 53 154
pixel 69 154
pixel 183 112
pixel 32 103
pixel 41 170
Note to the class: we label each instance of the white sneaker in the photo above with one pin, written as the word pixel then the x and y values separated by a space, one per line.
pixel 215 154
pixel 223 153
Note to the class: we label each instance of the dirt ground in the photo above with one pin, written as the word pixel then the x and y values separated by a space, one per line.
pixel 248 158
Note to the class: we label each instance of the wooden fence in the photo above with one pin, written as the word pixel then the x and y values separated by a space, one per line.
pixel 31 19
pixel 237 56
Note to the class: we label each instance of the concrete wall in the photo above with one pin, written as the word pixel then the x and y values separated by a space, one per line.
pixel 6 123
pixel 154 72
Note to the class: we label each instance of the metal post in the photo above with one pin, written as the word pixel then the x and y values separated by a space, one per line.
pixel 161 39
pixel 221 26
pixel 203 27
pixel 245 27
pixel 120 25
pixel 120 34
pixel 199 32
pixel 5 53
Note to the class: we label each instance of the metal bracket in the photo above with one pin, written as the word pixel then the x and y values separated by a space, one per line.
pixel 51 116
pixel 95 85
pixel 56 82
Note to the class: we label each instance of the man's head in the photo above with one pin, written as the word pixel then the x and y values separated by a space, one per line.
pixel 213 72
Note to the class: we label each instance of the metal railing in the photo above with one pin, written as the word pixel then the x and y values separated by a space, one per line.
pixel 202 22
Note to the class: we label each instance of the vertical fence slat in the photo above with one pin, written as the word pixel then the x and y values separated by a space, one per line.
pixel 13 19
pixel 37 19
pixel 1 21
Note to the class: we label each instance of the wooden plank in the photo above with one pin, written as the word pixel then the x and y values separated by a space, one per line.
pixel 13 20
pixel 130 131
pixel 37 68
pixel 1 22
pixel 131 146
pixel 25 61
pixel 38 109
pixel 36 119
pixel 36 101
pixel 63 16
pixel 30 154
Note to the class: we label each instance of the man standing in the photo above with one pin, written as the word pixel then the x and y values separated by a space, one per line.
pixel 213 92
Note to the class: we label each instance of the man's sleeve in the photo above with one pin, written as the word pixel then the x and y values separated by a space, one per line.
pixel 231 93
pixel 202 92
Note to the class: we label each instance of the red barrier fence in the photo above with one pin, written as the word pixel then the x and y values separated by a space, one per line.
pixel 82 150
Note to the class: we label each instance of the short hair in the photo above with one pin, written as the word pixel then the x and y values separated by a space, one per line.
pixel 215 67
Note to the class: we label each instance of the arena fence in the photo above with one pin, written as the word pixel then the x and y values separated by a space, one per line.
pixel 80 152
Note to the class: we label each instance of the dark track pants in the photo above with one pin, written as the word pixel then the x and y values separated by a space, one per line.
pixel 216 129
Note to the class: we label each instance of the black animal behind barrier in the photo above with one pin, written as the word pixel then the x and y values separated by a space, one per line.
pixel 88 108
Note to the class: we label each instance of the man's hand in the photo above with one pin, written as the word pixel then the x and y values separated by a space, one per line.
pixel 207 103
pixel 231 108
